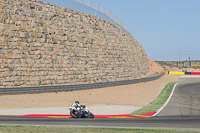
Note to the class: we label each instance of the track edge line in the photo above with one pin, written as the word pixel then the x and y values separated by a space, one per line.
pixel 169 98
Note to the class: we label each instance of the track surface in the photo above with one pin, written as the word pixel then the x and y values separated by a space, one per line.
pixel 155 122
pixel 184 102
pixel 182 112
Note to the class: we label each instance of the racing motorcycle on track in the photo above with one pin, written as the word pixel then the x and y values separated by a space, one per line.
pixel 80 112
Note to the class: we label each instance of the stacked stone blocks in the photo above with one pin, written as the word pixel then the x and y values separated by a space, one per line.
pixel 41 44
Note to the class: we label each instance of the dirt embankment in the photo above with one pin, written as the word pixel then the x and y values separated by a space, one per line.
pixel 154 68
pixel 135 95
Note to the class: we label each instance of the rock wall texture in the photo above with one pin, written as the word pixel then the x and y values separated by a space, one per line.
pixel 41 44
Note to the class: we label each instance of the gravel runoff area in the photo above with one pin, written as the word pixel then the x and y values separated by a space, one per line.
pixel 111 100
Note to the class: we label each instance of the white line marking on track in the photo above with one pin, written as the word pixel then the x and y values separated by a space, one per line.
pixel 164 105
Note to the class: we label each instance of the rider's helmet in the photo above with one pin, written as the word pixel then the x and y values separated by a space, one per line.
pixel 77 102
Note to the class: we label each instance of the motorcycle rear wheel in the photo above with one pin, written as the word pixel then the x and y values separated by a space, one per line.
pixel 75 114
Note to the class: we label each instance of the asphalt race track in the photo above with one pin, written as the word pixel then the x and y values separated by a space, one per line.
pixel 184 102
pixel 182 112
pixel 155 122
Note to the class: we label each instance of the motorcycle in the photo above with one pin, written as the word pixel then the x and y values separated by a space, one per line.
pixel 80 112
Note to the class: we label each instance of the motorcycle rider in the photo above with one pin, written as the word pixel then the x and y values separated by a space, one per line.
pixel 76 104
pixel 76 108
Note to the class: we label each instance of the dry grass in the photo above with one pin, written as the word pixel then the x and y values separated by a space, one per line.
pixel 43 129
pixel 196 66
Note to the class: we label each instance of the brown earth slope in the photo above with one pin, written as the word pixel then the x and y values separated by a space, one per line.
pixel 136 94
pixel 154 68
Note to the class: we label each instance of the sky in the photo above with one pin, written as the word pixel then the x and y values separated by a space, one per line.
pixel 168 30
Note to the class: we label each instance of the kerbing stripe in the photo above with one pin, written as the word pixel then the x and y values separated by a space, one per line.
pixel 188 73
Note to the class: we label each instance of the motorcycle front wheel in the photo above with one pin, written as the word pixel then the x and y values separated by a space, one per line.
pixel 91 115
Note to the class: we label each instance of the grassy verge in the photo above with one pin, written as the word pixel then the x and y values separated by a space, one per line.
pixel 43 129
pixel 158 102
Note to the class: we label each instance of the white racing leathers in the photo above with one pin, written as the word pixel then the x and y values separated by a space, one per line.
pixel 80 111
pixel 76 106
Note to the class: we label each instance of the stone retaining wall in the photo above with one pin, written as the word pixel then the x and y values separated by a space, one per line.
pixel 41 44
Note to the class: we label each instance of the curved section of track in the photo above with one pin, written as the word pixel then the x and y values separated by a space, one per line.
pixel 182 112
pixel 185 101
